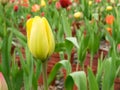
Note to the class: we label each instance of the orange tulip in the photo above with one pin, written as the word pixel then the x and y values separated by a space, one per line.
pixel 109 19
pixel 109 30
pixel 24 3
pixel 35 8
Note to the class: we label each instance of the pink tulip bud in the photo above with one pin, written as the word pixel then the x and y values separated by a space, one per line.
pixel 58 5
pixel 118 47
pixel 3 84
pixel 97 1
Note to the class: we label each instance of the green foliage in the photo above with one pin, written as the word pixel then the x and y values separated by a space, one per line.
pixel 65 64
pixel 92 80
pixel 77 78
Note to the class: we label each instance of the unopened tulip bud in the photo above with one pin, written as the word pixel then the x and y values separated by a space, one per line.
pixel 35 8
pixel 3 85
pixel 78 15
pixel 4 1
pixel 28 16
pixel 109 8
pixel 15 8
pixel 40 38
pixel 90 3
pixel 118 48
pixel 65 3
pixel 109 30
pixel 57 5
pixel 43 3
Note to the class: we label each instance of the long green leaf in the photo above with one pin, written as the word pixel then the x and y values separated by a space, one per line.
pixel 64 63
pixel 109 74
pixel 65 23
pixel 77 78
pixel 73 40
pixel 92 81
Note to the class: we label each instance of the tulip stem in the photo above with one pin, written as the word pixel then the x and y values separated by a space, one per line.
pixel 44 71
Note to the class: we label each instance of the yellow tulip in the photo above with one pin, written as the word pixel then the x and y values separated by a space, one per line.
pixel 109 8
pixel 43 3
pixel 90 3
pixel 40 38
pixel 78 15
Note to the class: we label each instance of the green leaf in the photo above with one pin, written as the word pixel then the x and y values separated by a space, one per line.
pixel 92 80
pixel 73 40
pixel 77 78
pixel 17 80
pixel 99 71
pixel 65 23
pixel 6 57
pixel 64 63
pixel 59 47
pixel 83 45
pixel 109 74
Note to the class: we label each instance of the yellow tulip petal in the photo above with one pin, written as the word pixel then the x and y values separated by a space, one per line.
pixel 38 39
pixel 43 3
pixel 50 36
pixel 29 25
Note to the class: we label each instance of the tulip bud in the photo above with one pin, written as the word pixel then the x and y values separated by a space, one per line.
pixel 57 5
pixel 78 15
pixel 109 30
pixel 43 3
pixel 90 3
pixel 35 8
pixel 3 85
pixel 4 1
pixel 97 1
pixel 40 38
pixel 109 19
pixel 65 3
pixel 118 48
pixel 15 8
pixel 28 16
pixel 109 8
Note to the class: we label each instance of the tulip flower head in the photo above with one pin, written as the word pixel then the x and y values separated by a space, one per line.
pixel 4 1
pixel 43 3
pixel 15 8
pixel 97 1
pixel 109 8
pixel 40 38
pixel 109 19
pixel 90 3
pixel 109 30
pixel 35 8
pixel 118 48
pixel 65 3
pixel 78 15
pixel 57 5
pixel 3 85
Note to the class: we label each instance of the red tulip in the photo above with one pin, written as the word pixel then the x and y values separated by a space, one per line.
pixel 28 16
pixel 42 14
pixel 15 8
pixel 65 3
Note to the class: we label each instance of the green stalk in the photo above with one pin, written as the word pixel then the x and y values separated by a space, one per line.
pixel 44 71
